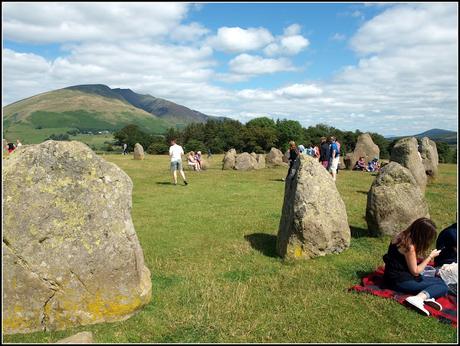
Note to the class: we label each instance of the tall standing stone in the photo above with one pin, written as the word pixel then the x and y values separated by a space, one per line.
pixel 430 158
pixel 229 159
pixel 394 201
pixel 366 147
pixel 138 152
pixel 71 255
pixel 405 152
pixel 314 220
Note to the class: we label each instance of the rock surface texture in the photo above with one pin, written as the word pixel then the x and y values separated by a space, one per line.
pixel 229 159
pixel 138 152
pixel 394 201
pixel 275 158
pixel 314 220
pixel 71 255
pixel 430 158
pixel 405 152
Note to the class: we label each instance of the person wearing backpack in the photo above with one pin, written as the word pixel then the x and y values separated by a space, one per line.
pixel 335 153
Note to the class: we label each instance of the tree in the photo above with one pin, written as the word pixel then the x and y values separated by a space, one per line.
pixel 288 130
pixel 132 134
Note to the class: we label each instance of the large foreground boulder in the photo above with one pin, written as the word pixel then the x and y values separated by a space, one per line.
pixel 405 152
pixel 314 220
pixel 430 159
pixel 275 158
pixel 394 201
pixel 229 159
pixel 138 152
pixel 71 255
pixel 366 147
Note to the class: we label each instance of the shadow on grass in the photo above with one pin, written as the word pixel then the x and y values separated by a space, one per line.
pixel 262 242
pixel 164 183
pixel 277 180
pixel 358 232
pixel 362 191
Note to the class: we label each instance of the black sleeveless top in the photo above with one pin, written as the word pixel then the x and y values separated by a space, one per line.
pixel 396 269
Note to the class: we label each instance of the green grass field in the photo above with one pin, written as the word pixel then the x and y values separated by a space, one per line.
pixel 210 247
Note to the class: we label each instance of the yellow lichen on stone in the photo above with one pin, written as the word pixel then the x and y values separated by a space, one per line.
pixel 297 251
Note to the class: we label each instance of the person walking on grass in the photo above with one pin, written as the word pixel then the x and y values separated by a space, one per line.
pixel 175 153
pixel 404 274
pixel 335 153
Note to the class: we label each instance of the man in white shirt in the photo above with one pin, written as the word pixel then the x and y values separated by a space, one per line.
pixel 175 153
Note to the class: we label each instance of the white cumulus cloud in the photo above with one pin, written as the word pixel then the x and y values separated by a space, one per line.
pixel 252 64
pixel 237 40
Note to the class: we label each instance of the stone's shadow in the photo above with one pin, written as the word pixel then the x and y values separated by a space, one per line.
pixel 362 191
pixel 264 243
pixel 164 183
pixel 357 232
pixel 277 180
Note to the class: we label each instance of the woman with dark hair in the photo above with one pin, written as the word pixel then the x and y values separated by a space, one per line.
pixel 293 154
pixel 404 274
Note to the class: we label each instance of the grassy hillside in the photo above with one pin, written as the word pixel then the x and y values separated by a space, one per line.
pixel 210 247
pixel 35 118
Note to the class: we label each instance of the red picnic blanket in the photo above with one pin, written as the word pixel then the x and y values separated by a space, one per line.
pixel 373 283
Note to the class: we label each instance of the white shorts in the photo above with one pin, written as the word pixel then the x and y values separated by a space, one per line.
pixel 334 164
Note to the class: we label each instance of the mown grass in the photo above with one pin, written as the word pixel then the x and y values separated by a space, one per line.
pixel 210 247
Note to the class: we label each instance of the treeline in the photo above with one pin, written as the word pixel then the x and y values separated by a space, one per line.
pixel 258 135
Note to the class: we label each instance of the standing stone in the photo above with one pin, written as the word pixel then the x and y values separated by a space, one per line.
pixel 394 201
pixel 229 159
pixel 245 162
pixel 138 152
pixel 342 164
pixel 205 164
pixel 260 158
pixel 314 220
pixel 347 160
pixel 405 152
pixel 71 255
pixel 430 158
pixel 275 158
pixel 366 147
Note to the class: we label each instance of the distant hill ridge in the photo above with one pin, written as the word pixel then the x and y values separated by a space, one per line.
pixel 162 108
pixel 439 135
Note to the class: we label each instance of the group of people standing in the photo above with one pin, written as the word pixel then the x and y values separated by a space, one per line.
pixel 328 154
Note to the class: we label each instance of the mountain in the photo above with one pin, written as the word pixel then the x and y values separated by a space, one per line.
pixel 92 107
pixel 163 108
pixel 439 135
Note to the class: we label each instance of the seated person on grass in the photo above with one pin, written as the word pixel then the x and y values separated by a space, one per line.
pixel 360 165
pixel 192 162
pixel 447 243
pixel 198 158
pixel 404 274
pixel 374 165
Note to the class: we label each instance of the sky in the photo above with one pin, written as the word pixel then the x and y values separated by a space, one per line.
pixel 389 68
